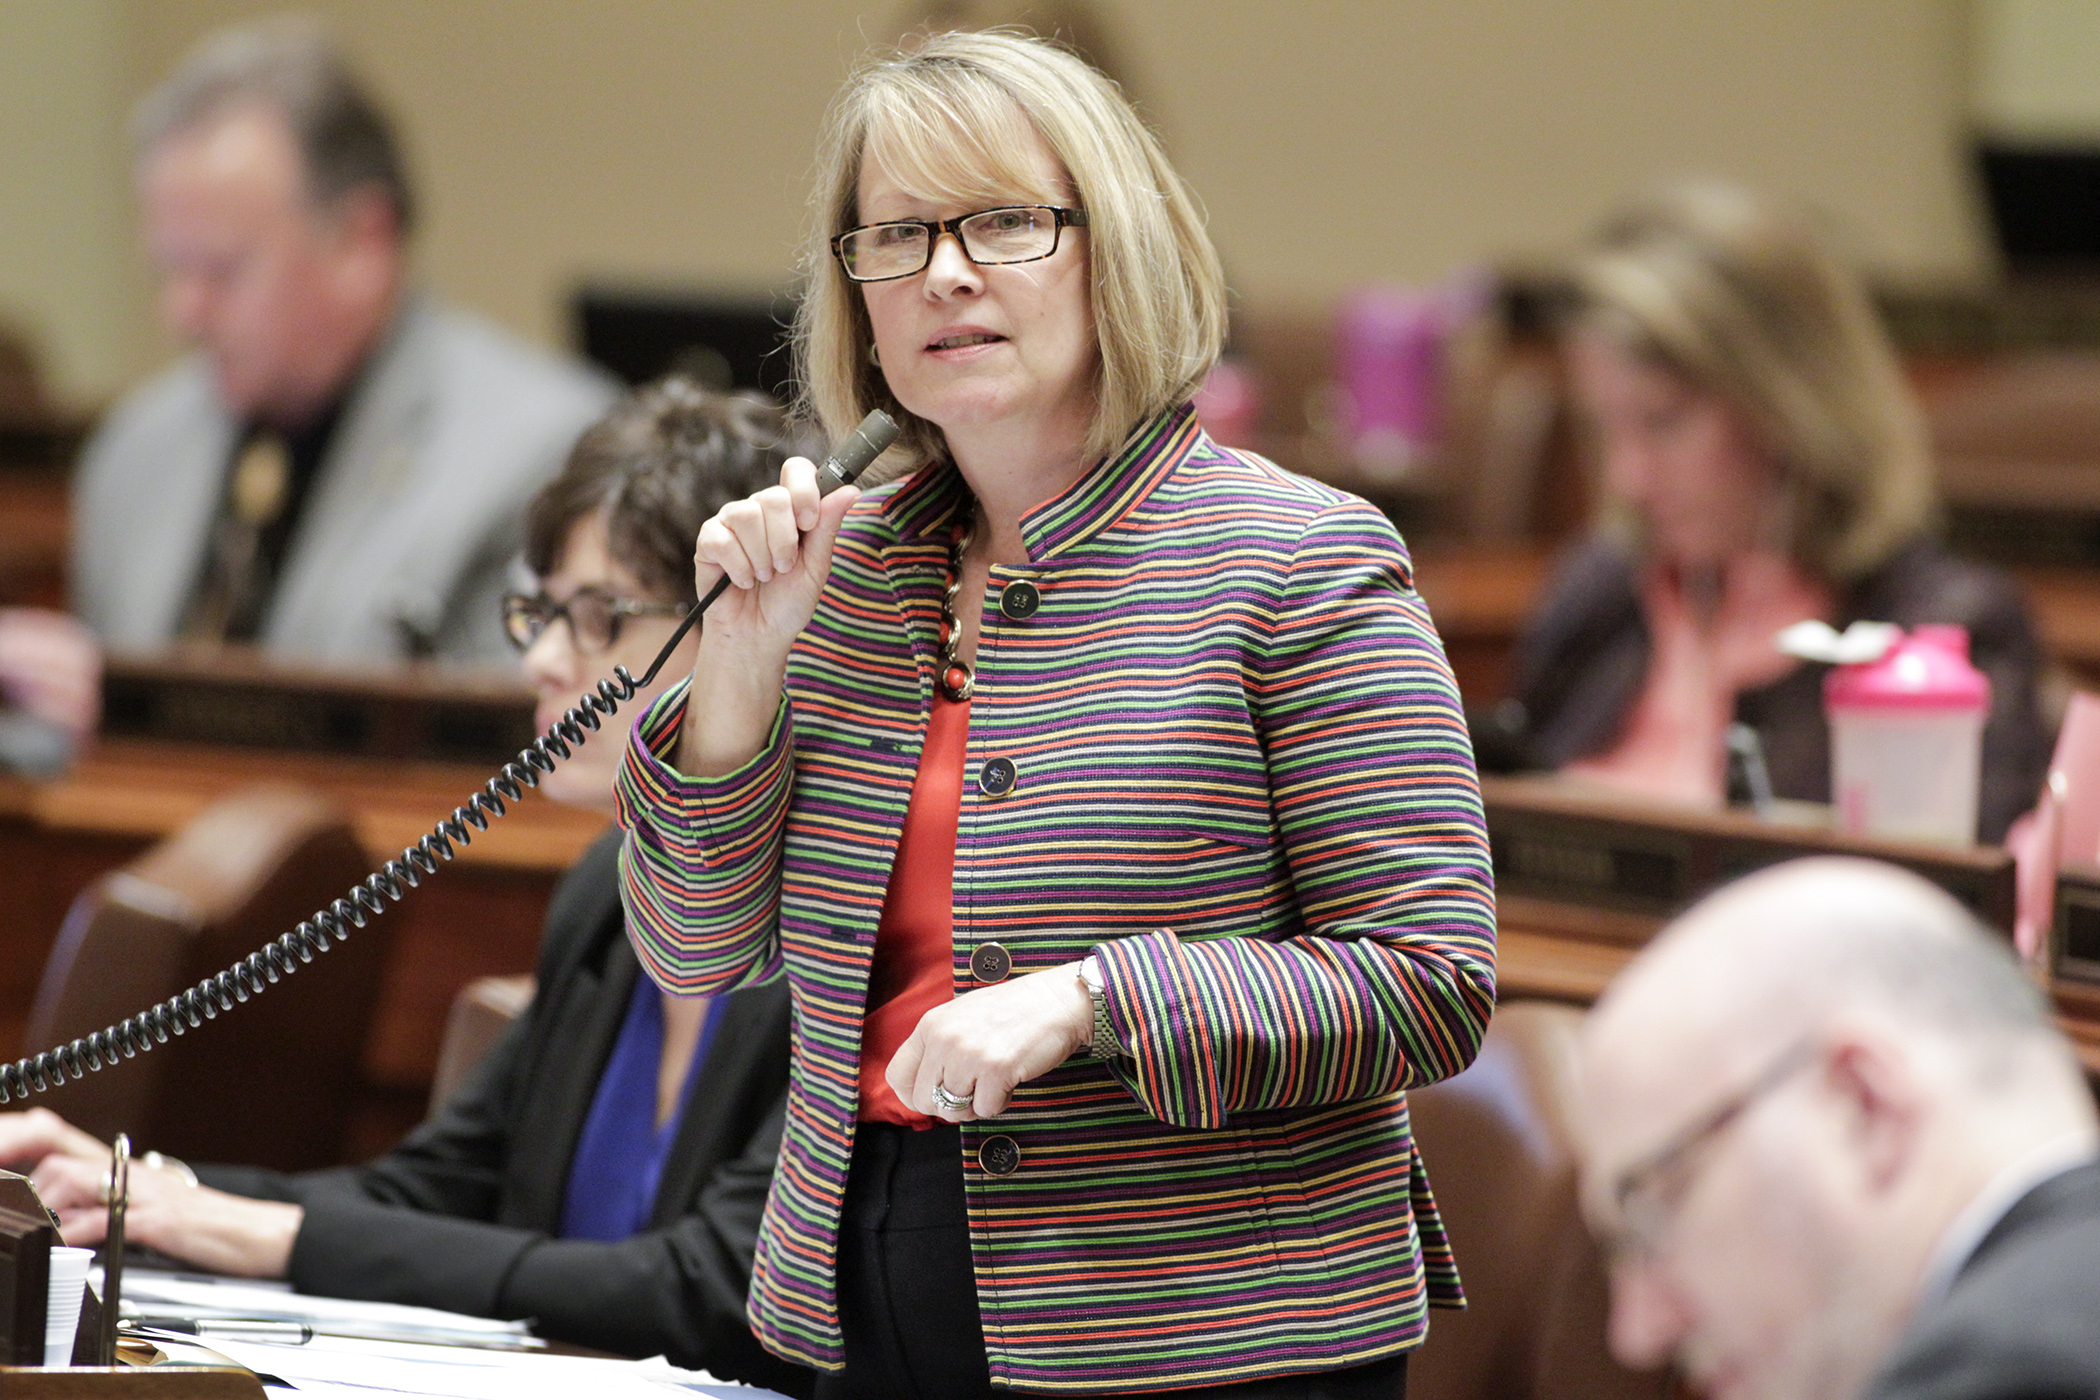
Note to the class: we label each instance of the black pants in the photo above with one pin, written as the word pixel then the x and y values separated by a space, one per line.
pixel 908 1291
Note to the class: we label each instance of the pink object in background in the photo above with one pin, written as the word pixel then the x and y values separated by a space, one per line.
pixel 1229 404
pixel 2064 825
pixel 1906 738
pixel 2035 842
pixel 2077 758
pixel 1389 348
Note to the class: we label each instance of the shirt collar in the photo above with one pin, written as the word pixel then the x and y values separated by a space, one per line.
pixel 1102 498
pixel 1958 1242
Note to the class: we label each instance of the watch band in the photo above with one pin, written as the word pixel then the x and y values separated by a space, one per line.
pixel 1104 1044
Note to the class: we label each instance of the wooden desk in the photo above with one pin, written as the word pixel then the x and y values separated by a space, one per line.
pixel 1551 951
pixel 1554 941
pixel 1480 597
pixel 479 915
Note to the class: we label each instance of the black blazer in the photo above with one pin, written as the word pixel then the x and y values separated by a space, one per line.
pixel 2022 1321
pixel 1581 661
pixel 462 1215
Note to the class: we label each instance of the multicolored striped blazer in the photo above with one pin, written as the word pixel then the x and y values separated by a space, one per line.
pixel 1215 741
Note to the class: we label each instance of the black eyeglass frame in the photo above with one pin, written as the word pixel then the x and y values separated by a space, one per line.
pixel 617 610
pixel 1062 218
pixel 1639 1237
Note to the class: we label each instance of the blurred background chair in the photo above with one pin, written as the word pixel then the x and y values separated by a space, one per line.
pixel 481 1012
pixel 1497 1140
pixel 272 1081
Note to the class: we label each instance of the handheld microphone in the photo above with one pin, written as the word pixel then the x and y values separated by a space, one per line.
pixel 851 457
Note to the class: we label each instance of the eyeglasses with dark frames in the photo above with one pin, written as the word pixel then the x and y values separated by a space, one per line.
pixel 594 617
pixel 1647 1192
pixel 1013 233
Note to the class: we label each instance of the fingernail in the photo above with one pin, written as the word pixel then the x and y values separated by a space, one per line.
pixel 807 520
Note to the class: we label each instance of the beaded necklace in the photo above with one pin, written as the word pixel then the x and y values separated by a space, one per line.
pixel 955 677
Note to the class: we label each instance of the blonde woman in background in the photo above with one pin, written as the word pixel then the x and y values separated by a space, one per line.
pixel 1763 462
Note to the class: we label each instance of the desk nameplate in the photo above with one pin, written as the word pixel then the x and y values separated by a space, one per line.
pixel 1570 846
pixel 239 700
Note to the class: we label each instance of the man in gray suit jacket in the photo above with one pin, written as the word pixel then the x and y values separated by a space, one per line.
pixel 1839 1149
pixel 337 470
pixel 412 519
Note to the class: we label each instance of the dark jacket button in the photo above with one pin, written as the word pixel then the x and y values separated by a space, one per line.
pixel 1019 600
pixel 996 778
pixel 990 963
pixel 1000 1155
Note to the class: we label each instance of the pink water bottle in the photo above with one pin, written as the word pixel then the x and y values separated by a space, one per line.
pixel 1906 738
pixel 1389 363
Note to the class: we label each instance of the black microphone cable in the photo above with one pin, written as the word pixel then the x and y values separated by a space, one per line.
pixel 389 885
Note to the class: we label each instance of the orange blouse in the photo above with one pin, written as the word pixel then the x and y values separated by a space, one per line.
pixel 914 959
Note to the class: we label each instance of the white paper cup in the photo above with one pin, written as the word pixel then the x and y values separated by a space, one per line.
pixel 69 1276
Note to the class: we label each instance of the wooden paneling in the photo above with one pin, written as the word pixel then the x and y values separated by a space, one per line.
pixel 240 697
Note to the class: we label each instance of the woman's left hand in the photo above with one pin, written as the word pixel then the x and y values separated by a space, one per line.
pixel 224 1233
pixel 985 1042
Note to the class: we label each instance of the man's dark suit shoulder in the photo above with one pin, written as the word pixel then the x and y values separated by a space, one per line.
pixel 2022 1321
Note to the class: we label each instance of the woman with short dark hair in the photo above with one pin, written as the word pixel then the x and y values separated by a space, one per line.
pixel 603 1169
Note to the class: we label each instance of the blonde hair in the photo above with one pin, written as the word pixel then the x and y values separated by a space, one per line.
pixel 951 121
pixel 1745 299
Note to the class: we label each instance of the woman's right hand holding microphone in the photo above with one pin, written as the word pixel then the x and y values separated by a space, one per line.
pixel 775 549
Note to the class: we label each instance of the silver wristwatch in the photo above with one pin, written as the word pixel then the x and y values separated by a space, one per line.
pixel 1103 1045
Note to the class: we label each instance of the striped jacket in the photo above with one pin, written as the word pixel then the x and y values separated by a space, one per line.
pixel 1238 773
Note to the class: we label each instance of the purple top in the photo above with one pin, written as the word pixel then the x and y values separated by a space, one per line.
pixel 620 1154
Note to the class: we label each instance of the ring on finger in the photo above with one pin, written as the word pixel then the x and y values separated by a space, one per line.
pixel 947 1102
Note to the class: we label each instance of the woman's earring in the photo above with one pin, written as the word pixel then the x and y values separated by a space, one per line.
pixel 874 355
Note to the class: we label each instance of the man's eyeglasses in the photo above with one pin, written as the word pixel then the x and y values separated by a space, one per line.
pixel 594 616
pixel 1648 1192
pixel 1017 233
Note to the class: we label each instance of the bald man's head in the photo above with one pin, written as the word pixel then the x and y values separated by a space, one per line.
pixel 1785 1098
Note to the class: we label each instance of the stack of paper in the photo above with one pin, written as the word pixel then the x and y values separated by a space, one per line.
pixel 362 1370
pixel 185 1295
pixel 364 1351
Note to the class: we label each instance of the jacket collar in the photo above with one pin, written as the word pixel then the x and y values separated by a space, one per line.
pixel 921 507
pixel 2069 1194
pixel 927 501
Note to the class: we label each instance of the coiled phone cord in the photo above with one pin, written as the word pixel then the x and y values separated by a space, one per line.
pixel 389 885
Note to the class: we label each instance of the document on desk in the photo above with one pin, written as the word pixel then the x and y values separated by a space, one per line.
pixel 369 1351
pixel 354 1369
pixel 188 1295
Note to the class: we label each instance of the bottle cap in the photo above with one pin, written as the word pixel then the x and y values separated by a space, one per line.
pixel 1928 669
